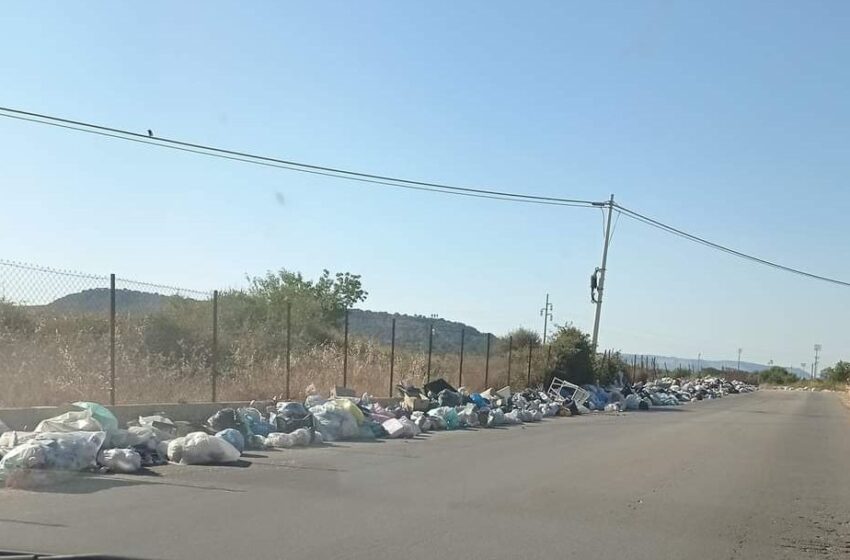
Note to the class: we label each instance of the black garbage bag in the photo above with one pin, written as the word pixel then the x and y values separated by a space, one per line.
pixel 226 418
pixel 449 398
pixel 290 416
pixel 437 386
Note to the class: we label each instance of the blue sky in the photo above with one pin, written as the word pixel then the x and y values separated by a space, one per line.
pixel 729 120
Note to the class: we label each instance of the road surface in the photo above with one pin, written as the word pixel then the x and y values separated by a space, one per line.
pixel 753 476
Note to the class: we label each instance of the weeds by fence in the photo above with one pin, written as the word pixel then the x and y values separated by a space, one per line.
pixel 68 336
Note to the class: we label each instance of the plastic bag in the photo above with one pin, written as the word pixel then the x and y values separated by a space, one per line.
pixel 71 421
pixel 12 439
pixel 252 419
pixel 631 402
pixel 120 460
pixel 102 414
pixel 233 437
pixel 280 439
pixel 225 418
pixel 334 423
pixel 349 406
pixel 447 397
pixel 421 420
pixel 468 417
pixel 513 417
pixel 448 414
pixel 314 400
pixel 496 417
pixel 162 426
pixel 394 428
pixel 199 448
pixel 70 451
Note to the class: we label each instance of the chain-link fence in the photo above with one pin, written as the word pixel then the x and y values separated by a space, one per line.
pixel 68 336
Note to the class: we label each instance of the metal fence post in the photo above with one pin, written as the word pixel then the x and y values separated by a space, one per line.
pixel 112 339
pixel 530 346
pixel 460 368
pixel 487 364
pixel 510 357
pixel 345 353
pixel 430 350
pixel 288 344
pixel 214 372
pixel 392 359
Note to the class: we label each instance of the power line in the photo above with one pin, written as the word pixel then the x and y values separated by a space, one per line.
pixel 246 157
pixel 696 239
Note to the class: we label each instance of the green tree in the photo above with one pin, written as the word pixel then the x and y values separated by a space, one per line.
pixel 520 337
pixel 776 375
pixel 839 373
pixel 572 356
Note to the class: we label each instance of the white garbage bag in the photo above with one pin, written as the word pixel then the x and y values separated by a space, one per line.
pixel 496 417
pixel 421 420
pixel 120 460
pixel 66 451
pixel 71 421
pixel 513 417
pixel 334 422
pixel 297 438
pixel 199 448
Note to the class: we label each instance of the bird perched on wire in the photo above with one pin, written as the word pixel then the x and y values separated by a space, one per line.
pixel 150 133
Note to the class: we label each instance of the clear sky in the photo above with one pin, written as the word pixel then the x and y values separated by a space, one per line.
pixel 727 119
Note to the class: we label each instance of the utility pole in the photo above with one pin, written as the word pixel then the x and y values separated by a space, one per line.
pixel 699 364
pixel 739 359
pixel 546 313
pixel 815 365
pixel 601 285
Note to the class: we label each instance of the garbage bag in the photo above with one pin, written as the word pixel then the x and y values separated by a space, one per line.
pixel 11 439
pixel 224 419
pixel 71 421
pixel 437 386
pixel 68 451
pixel 163 427
pixel 120 460
pixel 449 398
pixel 255 441
pixel 468 416
pixel 612 407
pixel 280 439
pixel 349 406
pixel 421 420
pixel 513 417
pixel 314 400
pixel 479 400
pixel 437 423
pixel 103 415
pixel 199 448
pixel 233 437
pixel 291 408
pixel 496 417
pixel 333 422
pixel 448 415
pixel 252 419
pixel 394 428
pixel 632 402
pixel 135 436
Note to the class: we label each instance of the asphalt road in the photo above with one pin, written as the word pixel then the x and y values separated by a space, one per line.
pixel 753 476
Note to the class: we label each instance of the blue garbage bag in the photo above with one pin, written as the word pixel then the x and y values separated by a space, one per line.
pixel 233 437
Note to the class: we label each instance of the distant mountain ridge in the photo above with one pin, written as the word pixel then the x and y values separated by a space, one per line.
pixel 673 362
pixel 411 330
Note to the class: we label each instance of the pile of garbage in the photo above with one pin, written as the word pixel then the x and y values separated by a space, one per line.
pixel 87 437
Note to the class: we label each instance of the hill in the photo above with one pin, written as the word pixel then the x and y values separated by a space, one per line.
pixel 97 301
pixel 411 330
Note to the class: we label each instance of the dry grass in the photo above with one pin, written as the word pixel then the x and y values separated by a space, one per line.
pixel 60 359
